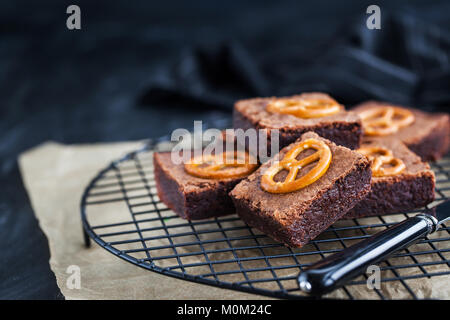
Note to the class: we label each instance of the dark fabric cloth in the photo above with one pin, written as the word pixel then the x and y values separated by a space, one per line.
pixel 407 62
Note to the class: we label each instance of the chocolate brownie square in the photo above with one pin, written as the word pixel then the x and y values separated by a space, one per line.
pixel 297 217
pixel 410 189
pixel 189 196
pixel 428 135
pixel 343 128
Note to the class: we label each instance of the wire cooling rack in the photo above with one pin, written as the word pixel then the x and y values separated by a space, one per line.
pixel 121 211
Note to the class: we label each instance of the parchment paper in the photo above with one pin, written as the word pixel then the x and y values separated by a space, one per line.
pixel 55 176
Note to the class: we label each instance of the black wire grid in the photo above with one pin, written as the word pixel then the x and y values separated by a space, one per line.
pixel 121 211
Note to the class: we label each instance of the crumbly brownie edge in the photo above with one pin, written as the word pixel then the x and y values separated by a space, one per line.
pixel 434 146
pixel 345 193
pixel 347 134
pixel 335 203
pixel 395 196
pixel 168 189
pixel 211 202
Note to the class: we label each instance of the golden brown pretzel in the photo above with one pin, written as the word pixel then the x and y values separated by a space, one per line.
pixel 385 120
pixel 291 164
pixel 225 165
pixel 379 157
pixel 305 107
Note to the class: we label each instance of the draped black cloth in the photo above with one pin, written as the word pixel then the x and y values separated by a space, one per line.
pixel 407 62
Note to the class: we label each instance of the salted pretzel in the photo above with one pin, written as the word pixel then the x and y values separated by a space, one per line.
pixel 305 107
pixel 380 157
pixel 385 120
pixel 221 166
pixel 323 157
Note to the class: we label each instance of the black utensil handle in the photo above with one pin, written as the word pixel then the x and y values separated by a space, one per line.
pixel 336 270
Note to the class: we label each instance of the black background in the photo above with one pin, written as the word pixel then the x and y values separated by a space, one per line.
pixel 140 69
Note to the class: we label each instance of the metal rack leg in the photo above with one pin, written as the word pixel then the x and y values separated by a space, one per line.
pixel 87 239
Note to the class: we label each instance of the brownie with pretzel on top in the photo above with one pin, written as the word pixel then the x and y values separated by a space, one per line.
pixel 401 182
pixel 198 187
pixel 426 134
pixel 295 115
pixel 303 190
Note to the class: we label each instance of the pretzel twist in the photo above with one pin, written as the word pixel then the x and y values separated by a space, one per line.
pixel 305 107
pixel 224 165
pixel 382 121
pixel 380 157
pixel 323 157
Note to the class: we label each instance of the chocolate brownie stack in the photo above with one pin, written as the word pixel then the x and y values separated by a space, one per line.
pixel 412 187
pixel 296 217
pixel 192 196
pixel 428 135
pixel 343 128
pixel 333 164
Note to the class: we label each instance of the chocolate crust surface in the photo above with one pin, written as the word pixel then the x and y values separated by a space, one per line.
pixel 428 136
pixel 191 197
pixel 413 188
pixel 343 128
pixel 297 217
